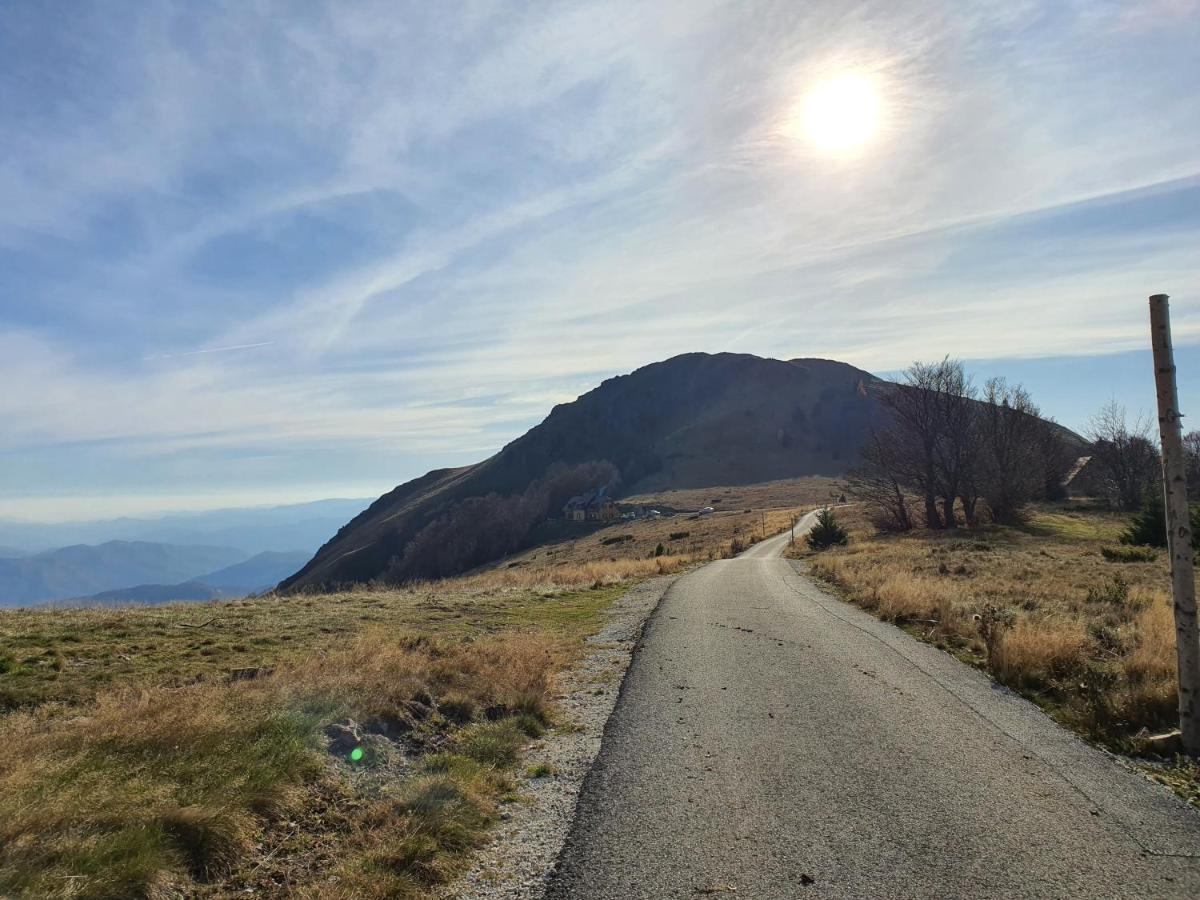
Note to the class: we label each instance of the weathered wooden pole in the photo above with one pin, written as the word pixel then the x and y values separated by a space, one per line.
pixel 1179 526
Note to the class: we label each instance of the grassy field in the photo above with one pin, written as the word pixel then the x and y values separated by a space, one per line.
pixel 207 749
pixel 626 548
pixel 354 744
pixel 1055 609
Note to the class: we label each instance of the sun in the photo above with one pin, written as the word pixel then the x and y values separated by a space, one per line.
pixel 841 113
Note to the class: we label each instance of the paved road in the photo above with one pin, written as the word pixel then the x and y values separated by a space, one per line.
pixel 773 740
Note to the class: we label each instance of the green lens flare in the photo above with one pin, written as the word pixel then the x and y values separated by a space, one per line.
pixel 356 754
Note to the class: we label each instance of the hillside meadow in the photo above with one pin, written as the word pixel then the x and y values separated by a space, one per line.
pixel 346 744
pixel 1056 609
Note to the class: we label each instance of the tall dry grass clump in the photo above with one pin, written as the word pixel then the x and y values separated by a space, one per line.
pixel 1040 606
pixel 1033 654
pixel 380 674
pixel 1149 666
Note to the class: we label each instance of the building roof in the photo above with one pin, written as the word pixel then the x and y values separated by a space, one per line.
pixel 588 500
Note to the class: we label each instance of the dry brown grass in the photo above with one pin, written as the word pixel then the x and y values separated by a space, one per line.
pixel 1089 638
pixel 145 771
pixel 630 549
pixel 158 790
pixel 791 492
pixel 571 575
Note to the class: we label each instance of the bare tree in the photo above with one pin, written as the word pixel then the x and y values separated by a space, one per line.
pixel 1126 458
pixel 1012 441
pixel 916 429
pixel 957 446
pixel 879 482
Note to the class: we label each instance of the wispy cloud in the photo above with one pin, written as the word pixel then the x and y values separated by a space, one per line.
pixel 208 350
pixel 258 243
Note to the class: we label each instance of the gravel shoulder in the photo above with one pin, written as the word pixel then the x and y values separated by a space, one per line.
pixel 517 863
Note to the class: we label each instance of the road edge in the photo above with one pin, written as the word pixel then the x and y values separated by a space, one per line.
pixel 521 857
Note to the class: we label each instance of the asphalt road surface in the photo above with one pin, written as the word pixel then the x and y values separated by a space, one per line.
pixel 771 741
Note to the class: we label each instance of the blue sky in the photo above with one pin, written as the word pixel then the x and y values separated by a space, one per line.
pixel 263 252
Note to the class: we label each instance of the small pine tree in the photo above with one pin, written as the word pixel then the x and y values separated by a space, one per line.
pixel 660 550
pixel 827 532
pixel 1149 526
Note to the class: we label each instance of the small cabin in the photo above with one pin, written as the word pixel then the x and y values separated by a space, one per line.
pixel 593 506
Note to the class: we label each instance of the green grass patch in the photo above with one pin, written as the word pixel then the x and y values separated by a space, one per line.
pixel 1079 526
pixel 1129 554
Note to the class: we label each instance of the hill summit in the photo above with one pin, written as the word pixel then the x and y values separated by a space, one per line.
pixel 691 421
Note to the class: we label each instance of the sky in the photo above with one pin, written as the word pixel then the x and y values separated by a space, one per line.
pixel 258 252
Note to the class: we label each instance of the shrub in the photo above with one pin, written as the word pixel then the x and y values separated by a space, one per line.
pixel 659 550
pixel 827 532
pixel 617 539
pixel 680 535
pixel 1115 592
pixel 492 743
pixel 1129 554
pixel 1149 526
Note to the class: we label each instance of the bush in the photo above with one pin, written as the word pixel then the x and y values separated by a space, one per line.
pixel 660 550
pixel 827 532
pixel 1129 554
pixel 1149 526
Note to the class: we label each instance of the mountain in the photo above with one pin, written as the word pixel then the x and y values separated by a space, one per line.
pixel 692 421
pixel 251 576
pixel 296 526
pixel 83 570
pixel 149 594
pixel 12 553
pixel 258 573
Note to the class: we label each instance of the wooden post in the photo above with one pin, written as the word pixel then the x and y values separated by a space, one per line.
pixel 1179 527
pixel 793 538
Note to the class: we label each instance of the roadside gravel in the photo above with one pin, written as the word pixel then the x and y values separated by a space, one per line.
pixel 517 863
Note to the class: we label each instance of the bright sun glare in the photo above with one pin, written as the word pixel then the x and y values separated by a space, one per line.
pixel 842 112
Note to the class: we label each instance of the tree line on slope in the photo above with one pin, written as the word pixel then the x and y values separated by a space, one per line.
pixel 477 530
pixel 951 449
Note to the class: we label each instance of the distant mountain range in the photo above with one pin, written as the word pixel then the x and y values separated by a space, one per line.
pixel 252 576
pixel 81 570
pixel 297 526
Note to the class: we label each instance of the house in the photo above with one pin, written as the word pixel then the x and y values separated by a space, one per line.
pixel 592 506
